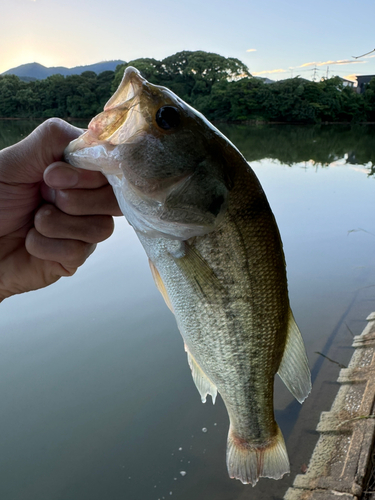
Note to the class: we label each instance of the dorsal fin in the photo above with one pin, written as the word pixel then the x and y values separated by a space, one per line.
pixel 294 367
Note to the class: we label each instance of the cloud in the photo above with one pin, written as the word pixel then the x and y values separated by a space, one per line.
pixel 359 169
pixel 340 62
pixel 352 77
pixel 269 71
pixel 251 50
pixel 330 63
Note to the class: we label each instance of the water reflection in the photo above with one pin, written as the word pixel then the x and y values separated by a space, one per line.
pixel 320 145
pixel 289 144
pixel 97 397
pixel 12 131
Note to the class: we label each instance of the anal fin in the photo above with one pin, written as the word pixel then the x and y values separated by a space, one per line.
pixel 294 367
pixel 202 382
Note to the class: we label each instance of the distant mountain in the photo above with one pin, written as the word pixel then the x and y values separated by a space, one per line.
pixel 37 71
pixel 265 80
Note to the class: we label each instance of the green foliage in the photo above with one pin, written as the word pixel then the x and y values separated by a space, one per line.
pixel 369 97
pixel 193 74
pixel 75 96
pixel 293 100
pixel 9 86
pixel 188 74
pixel 221 88
pixel 149 68
pixel 103 88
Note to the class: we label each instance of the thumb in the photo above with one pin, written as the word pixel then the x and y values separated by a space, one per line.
pixel 26 161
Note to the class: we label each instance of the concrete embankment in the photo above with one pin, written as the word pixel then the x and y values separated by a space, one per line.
pixel 342 459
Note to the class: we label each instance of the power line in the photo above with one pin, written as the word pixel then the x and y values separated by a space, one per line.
pixel 363 55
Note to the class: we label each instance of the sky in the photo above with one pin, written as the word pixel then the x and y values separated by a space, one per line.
pixel 274 38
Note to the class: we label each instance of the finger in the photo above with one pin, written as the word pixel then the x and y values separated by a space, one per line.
pixel 69 253
pixel 49 221
pixel 101 201
pixel 31 156
pixel 61 175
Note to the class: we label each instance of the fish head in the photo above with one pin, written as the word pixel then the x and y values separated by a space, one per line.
pixel 165 161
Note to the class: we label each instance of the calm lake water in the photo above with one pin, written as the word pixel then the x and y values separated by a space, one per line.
pixel 97 400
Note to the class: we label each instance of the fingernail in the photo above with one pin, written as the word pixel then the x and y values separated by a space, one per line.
pixel 61 177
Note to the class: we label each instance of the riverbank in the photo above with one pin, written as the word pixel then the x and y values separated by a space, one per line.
pixel 342 461
pixel 215 122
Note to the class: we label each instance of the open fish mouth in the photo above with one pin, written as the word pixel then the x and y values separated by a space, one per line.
pixel 121 122
pixel 111 124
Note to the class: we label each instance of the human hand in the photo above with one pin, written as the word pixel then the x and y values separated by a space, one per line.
pixel 52 215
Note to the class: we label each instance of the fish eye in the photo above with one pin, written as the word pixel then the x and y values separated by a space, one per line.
pixel 167 117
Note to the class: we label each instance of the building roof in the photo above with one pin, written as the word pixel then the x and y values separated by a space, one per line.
pixel 363 80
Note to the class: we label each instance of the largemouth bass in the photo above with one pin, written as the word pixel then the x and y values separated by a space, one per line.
pixel 216 257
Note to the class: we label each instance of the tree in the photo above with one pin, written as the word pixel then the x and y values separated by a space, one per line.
pixel 103 88
pixel 369 98
pixel 9 86
pixel 291 101
pixel 189 74
pixel 82 101
pixel 221 88
pixel 149 69
pixel 54 92
pixel 193 74
pixel 352 106
pixel 28 101
pixel 235 101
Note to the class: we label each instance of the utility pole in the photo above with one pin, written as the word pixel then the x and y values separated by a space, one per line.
pixel 327 72
pixel 314 74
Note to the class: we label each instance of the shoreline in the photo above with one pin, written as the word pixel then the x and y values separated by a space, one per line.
pixel 234 122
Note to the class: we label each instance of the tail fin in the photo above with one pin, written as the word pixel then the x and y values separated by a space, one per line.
pixel 248 463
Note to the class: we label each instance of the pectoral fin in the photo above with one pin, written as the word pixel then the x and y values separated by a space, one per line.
pixel 160 285
pixel 294 367
pixel 198 272
pixel 202 382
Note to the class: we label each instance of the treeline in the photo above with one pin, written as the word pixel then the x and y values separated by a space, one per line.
pixel 75 96
pixel 221 88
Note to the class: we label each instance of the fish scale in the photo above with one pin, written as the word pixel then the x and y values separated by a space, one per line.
pixel 215 254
